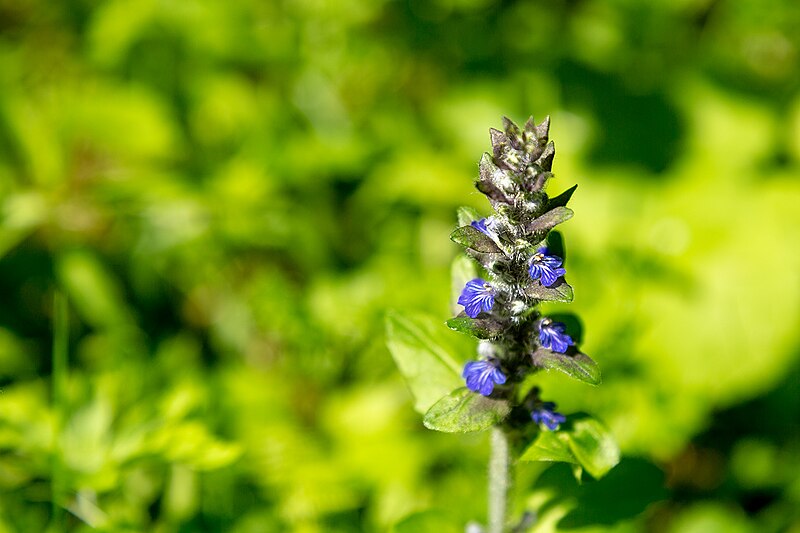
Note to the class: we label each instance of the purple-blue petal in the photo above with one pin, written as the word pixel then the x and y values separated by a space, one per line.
pixel 477 296
pixel 553 336
pixel 546 268
pixel 546 414
pixel 482 376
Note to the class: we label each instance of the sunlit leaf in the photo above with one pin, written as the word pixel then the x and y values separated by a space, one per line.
pixel 579 366
pixel 462 270
pixel 424 357
pixel 549 446
pixel 466 215
pixel 463 411
pixel 555 245
pixel 593 445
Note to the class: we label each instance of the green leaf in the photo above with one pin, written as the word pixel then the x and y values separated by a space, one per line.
pixel 463 411
pixel 593 446
pixel 426 355
pixel 462 270
pixel 482 328
pixel 549 446
pixel 624 493
pixel 572 322
pixel 555 245
pixel 466 215
pixel 550 219
pixel 562 199
pixel 474 239
pixel 560 291
pixel 579 366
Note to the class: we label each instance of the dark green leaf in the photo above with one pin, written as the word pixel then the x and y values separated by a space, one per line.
pixel 573 323
pixel 560 291
pixel 466 215
pixel 549 446
pixel 426 355
pixel 622 494
pixel 562 199
pixel 463 411
pixel 482 328
pixel 550 219
pixel 593 446
pixel 579 366
pixel 555 245
pixel 474 239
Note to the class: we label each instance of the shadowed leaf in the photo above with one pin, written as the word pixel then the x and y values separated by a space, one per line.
pixel 550 219
pixel 560 291
pixel 482 328
pixel 573 323
pixel 555 245
pixel 562 199
pixel 474 239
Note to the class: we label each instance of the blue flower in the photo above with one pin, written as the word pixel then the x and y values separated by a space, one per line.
pixel 477 295
pixel 545 414
pixel 485 226
pixel 546 268
pixel 482 376
pixel 553 336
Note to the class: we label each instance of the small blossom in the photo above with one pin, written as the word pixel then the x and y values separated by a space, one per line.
pixel 553 336
pixel 482 376
pixel 546 414
pixel 546 268
pixel 477 295
pixel 485 226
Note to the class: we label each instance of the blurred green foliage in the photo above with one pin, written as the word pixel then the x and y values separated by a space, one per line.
pixel 230 194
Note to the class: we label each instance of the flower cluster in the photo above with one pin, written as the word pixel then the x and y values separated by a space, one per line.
pixel 523 268
pixel 546 268
pixel 546 414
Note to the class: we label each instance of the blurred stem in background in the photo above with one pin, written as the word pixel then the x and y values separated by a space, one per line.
pixel 59 381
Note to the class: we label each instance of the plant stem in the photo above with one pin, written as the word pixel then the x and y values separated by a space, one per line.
pixel 499 481
pixel 58 383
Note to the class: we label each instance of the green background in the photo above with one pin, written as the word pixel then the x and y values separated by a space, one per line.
pixel 231 195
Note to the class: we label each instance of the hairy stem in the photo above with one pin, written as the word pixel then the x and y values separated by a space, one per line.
pixel 499 481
